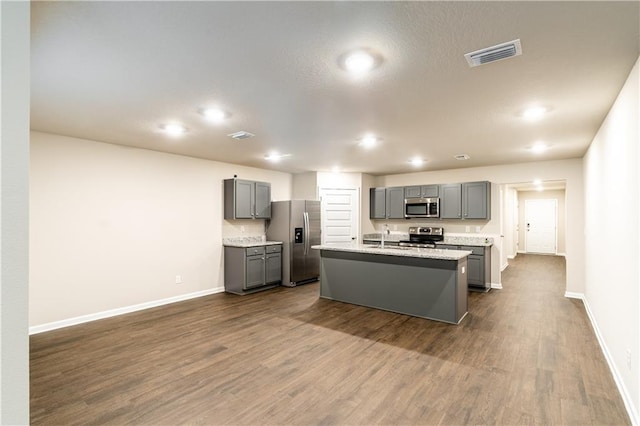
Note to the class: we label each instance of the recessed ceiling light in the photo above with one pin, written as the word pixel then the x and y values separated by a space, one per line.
pixel 214 114
pixel 534 113
pixel 537 182
pixel 539 188
pixel 274 156
pixel 539 148
pixel 416 162
pixel 335 169
pixel 174 129
pixel 461 157
pixel 369 141
pixel 358 62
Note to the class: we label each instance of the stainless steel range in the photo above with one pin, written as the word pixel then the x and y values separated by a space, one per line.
pixel 423 237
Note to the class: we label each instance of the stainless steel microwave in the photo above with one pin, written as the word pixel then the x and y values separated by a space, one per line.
pixel 421 207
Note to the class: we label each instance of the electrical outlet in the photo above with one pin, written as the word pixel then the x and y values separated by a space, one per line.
pixel 178 279
pixel 477 229
pixel 242 228
pixel 467 229
pixel 629 358
pixel 395 227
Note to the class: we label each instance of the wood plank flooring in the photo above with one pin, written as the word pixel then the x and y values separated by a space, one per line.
pixel 523 355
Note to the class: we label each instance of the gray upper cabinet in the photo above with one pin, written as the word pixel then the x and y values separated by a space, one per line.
pixel 421 191
pixel 476 200
pixel 395 203
pixel 451 201
pixel 470 200
pixel 245 199
pixel 386 203
pixel 377 203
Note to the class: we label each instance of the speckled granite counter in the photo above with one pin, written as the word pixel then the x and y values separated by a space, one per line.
pixel 426 253
pixel 451 240
pixel 247 242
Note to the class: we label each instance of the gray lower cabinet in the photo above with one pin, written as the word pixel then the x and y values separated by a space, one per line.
pixel 246 199
pixel 478 265
pixel 386 203
pixel 247 270
pixel 273 266
pixel 469 200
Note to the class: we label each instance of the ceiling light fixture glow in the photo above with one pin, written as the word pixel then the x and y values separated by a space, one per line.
pixel 369 141
pixel 537 182
pixel 174 129
pixel 534 113
pixel 274 156
pixel 416 162
pixel 214 114
pixel 359 62
pixel 539 148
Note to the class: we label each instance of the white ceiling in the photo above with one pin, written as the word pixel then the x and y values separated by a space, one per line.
pixel 116 71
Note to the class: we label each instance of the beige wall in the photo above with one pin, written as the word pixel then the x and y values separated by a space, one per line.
pixel 612 194
pixel 569 171
pixel 112 226
pixel 305 186
pixel 559 196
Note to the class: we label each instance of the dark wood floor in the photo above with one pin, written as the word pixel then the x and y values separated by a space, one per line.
pixel 523 355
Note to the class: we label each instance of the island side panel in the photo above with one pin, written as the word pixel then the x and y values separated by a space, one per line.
pixel 426 288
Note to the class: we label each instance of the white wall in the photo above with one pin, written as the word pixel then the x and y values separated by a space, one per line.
pixel 14 225
pixel 112 226
pixel 569 171
pixel 559 196
pixel 612 193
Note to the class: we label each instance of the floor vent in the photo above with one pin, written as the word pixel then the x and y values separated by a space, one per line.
pixel 241 135
pixel 494 53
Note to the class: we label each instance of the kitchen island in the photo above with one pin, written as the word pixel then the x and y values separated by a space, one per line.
pixel 426 283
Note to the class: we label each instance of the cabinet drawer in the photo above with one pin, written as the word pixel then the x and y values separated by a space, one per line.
pixel 274 249
pixel 252 251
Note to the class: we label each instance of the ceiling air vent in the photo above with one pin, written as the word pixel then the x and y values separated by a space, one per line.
pixel 494 53
pixel 241 135
pixel 461 157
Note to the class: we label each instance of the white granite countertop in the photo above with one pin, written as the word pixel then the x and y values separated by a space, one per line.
pixel 248 242
pixel 426 253
pixel 450 240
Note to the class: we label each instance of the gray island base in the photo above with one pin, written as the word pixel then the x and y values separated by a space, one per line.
pixel 431 288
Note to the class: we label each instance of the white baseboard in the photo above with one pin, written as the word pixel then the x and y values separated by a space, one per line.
pixel 521 252
pixel 572 295
pixel 511 257
pixel 497 286
pixel 561 254
pixel 120 311
pixel 626 397
pixel 504 266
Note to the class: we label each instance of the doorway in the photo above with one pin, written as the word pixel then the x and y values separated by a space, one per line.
pixel 541 218
pixel 340 214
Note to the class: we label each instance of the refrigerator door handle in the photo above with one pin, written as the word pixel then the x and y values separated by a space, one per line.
pixel 305 216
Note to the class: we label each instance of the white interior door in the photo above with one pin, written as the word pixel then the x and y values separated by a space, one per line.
pixel 540 226
pixel 340 213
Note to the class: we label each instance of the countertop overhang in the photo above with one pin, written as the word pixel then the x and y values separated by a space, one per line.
pixel 426 253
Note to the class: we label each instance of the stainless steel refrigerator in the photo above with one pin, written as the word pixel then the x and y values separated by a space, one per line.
pixel 297 224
